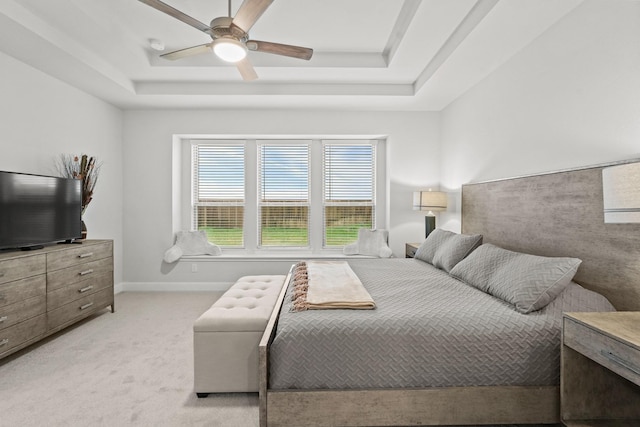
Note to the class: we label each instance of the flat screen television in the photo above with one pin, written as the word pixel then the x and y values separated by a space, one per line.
pixel 36 210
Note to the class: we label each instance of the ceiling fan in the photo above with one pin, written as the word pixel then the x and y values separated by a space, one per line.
pixel 231 36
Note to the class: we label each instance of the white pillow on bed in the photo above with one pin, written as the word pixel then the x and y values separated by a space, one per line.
pixel 444 249
pixel 529 282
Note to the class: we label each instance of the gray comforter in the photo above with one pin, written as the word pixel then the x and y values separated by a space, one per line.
pixel 428 330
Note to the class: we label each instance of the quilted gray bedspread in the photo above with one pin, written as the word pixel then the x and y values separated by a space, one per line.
pixel 428 330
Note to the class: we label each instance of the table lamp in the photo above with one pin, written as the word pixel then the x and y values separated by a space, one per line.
pixel 429 201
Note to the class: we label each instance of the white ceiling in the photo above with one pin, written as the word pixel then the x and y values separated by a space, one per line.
pixel 368 54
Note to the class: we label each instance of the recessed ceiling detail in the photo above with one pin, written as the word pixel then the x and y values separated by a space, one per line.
pixel 368 54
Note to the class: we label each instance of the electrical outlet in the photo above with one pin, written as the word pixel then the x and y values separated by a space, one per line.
pixel 194 268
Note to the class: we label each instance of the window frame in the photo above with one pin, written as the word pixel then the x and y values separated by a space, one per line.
pixel 352 203
pixel 316 214
pixel 195 181
pixel 261 203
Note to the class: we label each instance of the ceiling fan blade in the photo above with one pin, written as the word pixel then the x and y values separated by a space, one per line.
pixel 280 49
pixel 249 12
pixel 189 51
pixel 246 69
pixel 171 11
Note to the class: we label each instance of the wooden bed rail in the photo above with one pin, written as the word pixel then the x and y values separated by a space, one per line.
pixel 415 406
pixel 263 349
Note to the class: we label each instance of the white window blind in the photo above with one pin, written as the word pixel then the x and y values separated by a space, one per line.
pixel 349 176
pixel 283 194
pixel 218 192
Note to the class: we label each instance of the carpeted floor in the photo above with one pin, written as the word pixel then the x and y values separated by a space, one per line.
pixel 132 367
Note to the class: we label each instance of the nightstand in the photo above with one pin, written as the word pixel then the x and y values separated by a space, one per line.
pixel 410 249
pixel 600 369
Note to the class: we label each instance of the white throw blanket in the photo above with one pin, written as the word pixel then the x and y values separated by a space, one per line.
pixel 320 285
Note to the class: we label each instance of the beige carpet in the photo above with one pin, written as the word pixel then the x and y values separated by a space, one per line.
pixel 133 367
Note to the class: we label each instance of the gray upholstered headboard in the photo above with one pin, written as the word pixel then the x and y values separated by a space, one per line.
pixel 560 214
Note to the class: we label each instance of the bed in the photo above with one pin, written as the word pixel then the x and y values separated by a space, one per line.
pixel 485 378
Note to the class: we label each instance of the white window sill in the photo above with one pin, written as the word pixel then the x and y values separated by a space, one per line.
pixel 275 255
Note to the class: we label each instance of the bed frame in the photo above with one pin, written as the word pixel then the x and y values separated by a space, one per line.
pixel 553 214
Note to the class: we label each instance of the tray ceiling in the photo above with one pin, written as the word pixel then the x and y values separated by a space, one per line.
pixel 368 54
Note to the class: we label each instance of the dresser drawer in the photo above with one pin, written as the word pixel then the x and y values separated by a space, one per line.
pixel 19 290
pixel 69 293
pixel 61 278
pixel 78 255
pixel 79 308
pixel 22 332
pixel 21 311
pixel 21 267
pixel 613 354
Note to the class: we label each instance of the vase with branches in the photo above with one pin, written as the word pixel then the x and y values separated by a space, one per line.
pixel 85 168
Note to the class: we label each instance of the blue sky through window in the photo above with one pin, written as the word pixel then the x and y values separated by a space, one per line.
pixel 349 172
pixel 284 172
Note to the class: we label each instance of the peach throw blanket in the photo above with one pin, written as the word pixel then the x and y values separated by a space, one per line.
pixel 320 285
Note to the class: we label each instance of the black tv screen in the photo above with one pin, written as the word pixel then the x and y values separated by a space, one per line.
pixel 36 210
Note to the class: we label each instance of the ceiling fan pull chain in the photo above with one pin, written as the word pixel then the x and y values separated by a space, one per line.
pixel 229 8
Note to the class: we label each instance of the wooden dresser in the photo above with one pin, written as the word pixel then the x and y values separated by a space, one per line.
pixel 46 290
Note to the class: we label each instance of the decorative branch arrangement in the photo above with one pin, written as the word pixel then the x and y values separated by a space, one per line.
pixel 85 168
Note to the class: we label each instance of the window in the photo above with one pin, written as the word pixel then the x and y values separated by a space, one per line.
pixel 283 194
pixel 218 192
pixel 349 191
pixel 268 194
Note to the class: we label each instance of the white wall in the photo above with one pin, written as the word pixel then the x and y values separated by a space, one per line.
pixel 42 117
pixel 412 163
pixel 569 99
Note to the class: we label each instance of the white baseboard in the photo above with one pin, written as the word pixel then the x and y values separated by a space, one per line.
pixel 171 286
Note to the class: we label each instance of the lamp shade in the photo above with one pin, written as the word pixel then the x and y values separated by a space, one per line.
pixel 429 201
pixel 621 193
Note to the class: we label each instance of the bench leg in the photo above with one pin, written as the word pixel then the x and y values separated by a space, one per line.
pixel 201 395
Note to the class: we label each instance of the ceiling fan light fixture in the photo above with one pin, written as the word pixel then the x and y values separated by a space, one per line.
pixel 230 50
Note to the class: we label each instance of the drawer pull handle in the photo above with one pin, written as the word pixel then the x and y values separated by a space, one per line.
pixel 85 289
pixel 85 255
pixel 4 342
pixel 620 361
pixel 84 273
pixel 87 305
pixel 3 318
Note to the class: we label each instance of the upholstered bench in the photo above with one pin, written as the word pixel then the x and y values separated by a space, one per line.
pixel 226 337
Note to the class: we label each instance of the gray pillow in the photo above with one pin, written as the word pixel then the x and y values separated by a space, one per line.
pixel 529 282
pixel 444 249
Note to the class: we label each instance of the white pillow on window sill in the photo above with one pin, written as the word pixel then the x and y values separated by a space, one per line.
pixel 191 243
pixel 371 243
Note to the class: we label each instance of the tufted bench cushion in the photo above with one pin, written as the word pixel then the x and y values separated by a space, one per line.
pixel 246 306
pixel 226 336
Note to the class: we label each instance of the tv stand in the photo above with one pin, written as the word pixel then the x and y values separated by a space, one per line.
pixel 45 291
